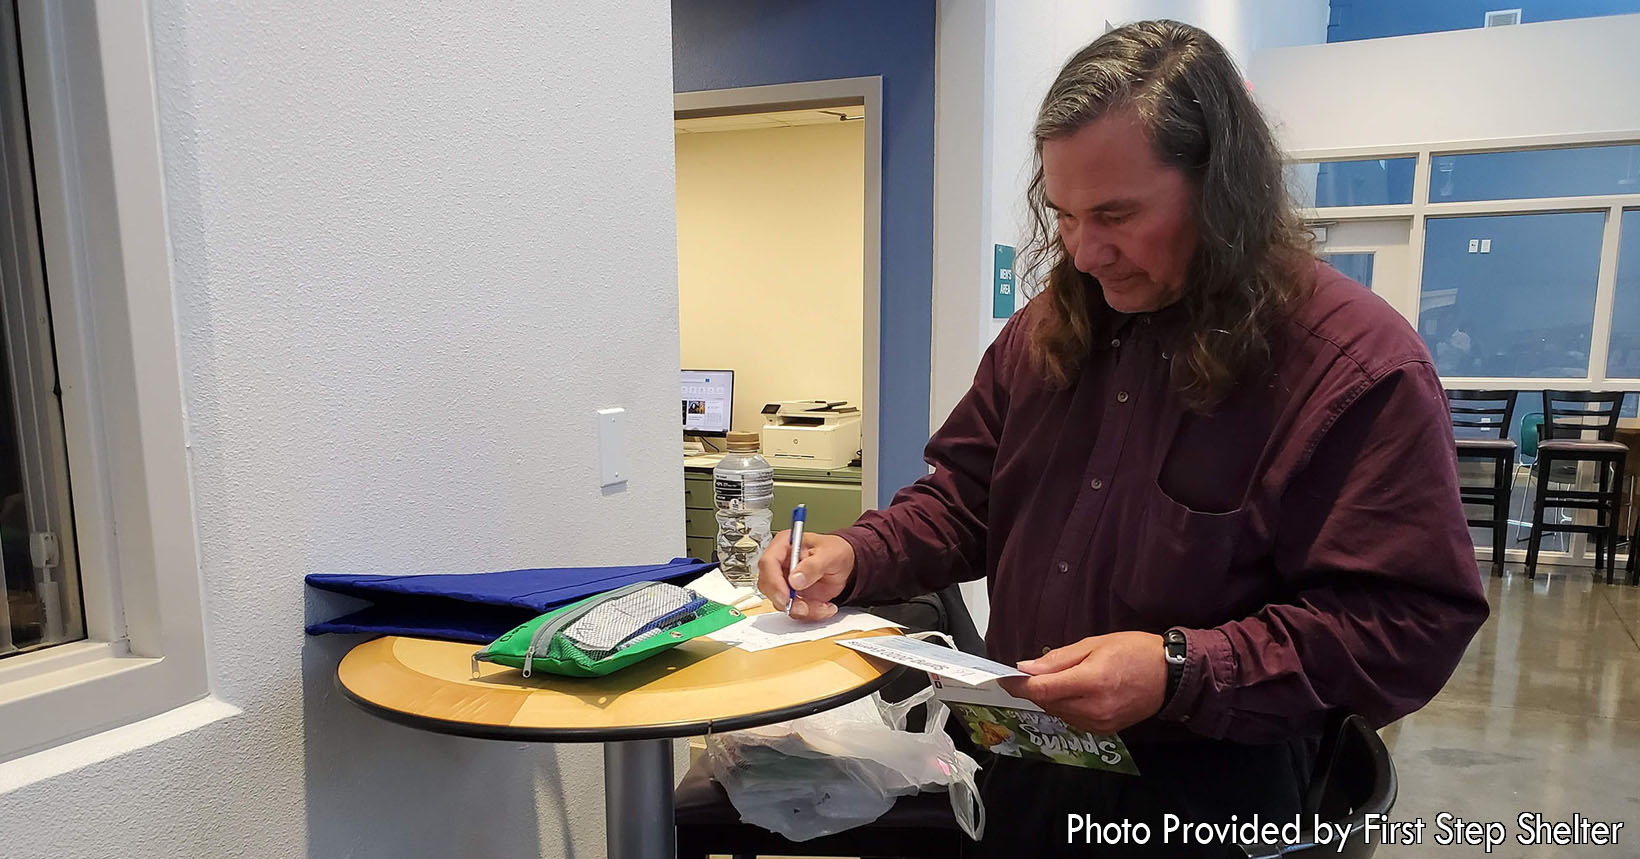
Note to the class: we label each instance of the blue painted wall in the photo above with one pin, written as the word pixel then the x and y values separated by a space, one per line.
pixel 719 44
pixel 1372 19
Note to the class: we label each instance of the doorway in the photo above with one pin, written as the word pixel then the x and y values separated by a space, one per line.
pixel 779 230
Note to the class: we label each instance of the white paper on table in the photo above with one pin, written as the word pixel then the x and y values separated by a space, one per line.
pixel 716 588
pixel 953 664
pixel 773 629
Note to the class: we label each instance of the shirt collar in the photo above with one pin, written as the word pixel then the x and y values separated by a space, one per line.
pixel 1109 327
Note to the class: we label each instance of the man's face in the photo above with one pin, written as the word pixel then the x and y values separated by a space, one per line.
pixel 1124 216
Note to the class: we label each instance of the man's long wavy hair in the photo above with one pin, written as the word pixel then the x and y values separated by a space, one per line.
pixel 1251 262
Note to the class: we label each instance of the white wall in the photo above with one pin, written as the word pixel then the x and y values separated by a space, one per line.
pixel 964 104
pixel 771 234
pixel 391 231
pixel 1554 77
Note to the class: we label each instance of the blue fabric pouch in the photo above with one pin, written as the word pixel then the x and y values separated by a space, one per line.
pixel 477 607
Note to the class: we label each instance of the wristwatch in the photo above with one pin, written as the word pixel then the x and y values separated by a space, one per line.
pixel 1173 644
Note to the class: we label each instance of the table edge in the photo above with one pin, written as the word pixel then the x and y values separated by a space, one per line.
pixel 662 731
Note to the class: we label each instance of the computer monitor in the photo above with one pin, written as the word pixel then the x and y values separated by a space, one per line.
pixel 708 401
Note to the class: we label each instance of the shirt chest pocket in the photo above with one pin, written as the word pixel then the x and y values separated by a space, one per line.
pixel 1194 543
pixel 1183 570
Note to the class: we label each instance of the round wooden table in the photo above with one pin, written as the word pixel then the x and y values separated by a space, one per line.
pixel 697 688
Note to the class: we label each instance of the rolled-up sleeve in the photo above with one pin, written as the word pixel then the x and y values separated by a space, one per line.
pixel 1373 544
pixel 933 533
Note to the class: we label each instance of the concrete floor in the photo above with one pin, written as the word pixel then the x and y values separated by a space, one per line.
pixel 1542 714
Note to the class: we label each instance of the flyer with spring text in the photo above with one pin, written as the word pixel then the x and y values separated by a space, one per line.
pixel 1016 727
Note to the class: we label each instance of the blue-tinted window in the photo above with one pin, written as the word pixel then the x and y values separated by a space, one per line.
pixel 1371 182
pixel 1355 266
pixel 1623 362
pixel 1578 172
pixel 1524 309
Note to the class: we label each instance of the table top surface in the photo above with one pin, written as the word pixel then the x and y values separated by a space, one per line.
pixel 698 687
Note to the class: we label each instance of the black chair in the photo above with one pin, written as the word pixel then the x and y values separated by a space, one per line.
pixel 1354 777
pixel 1570 418
pixel 1634 550
pixel 1480 425
pixel 920 826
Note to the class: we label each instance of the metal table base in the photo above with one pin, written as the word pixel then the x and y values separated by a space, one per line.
pixel 638 800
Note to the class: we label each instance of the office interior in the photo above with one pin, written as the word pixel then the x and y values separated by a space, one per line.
pixel 345 288
pixel 771 268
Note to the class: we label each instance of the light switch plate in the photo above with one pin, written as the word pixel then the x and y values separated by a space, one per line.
pixel 611 447
pixel 1486 246
pixel 1474 246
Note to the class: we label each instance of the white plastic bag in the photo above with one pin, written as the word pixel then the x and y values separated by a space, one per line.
pixel 836 770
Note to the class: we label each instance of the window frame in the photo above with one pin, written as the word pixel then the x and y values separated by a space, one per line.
pixel 93 110
pixel 1404 297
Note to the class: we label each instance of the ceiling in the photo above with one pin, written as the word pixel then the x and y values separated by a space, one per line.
pixel 774 119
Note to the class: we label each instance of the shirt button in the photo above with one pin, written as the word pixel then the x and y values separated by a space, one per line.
pixel 1165 356
pixel 1145 319
pixel 1064 567
pixel 1115 342
pixel 1122 396
pixel 1046 650
pixel 1097 484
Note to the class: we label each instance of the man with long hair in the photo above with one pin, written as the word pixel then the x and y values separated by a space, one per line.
pixel 1210 480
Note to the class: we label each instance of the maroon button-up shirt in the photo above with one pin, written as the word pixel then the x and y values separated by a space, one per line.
pixel 1306 533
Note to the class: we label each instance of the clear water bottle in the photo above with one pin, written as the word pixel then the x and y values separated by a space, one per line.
pixel 744 487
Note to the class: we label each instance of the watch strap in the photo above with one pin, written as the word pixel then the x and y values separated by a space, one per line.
pixel 1174 648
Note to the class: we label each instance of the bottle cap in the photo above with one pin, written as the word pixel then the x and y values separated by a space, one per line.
pixel 744 442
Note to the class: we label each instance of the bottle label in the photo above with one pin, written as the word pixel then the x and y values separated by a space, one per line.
pixel 750 488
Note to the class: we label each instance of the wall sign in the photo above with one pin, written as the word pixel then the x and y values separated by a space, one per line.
pixel 1003 284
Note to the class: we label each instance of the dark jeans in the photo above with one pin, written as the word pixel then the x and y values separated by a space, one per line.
pixel 1028 804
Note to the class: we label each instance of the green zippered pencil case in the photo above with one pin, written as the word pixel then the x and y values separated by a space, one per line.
pixel 609 631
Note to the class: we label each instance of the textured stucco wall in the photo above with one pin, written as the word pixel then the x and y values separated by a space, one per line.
pixel 416 246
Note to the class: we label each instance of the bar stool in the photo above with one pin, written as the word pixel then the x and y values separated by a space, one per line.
pixel 1569 417
pixel 1480 425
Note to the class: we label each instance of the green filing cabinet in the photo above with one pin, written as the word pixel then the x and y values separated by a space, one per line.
pixel 832 496
pixel 699 518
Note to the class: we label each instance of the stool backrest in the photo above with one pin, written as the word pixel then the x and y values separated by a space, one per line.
pixel 1481 414
pixel 1576 414
pixel 1354 777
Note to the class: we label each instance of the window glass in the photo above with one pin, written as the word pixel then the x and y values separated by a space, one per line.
pixel 1578 172
pixel 1367 182
pixel 1355 266
pixel 1524 307
pixel 1623 361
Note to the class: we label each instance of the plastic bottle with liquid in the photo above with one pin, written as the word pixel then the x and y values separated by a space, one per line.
pixel 743 485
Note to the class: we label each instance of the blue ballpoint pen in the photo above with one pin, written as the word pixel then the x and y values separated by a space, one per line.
pixel 798 516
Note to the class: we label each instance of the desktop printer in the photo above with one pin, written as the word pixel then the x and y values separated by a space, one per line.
pixel 811 433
